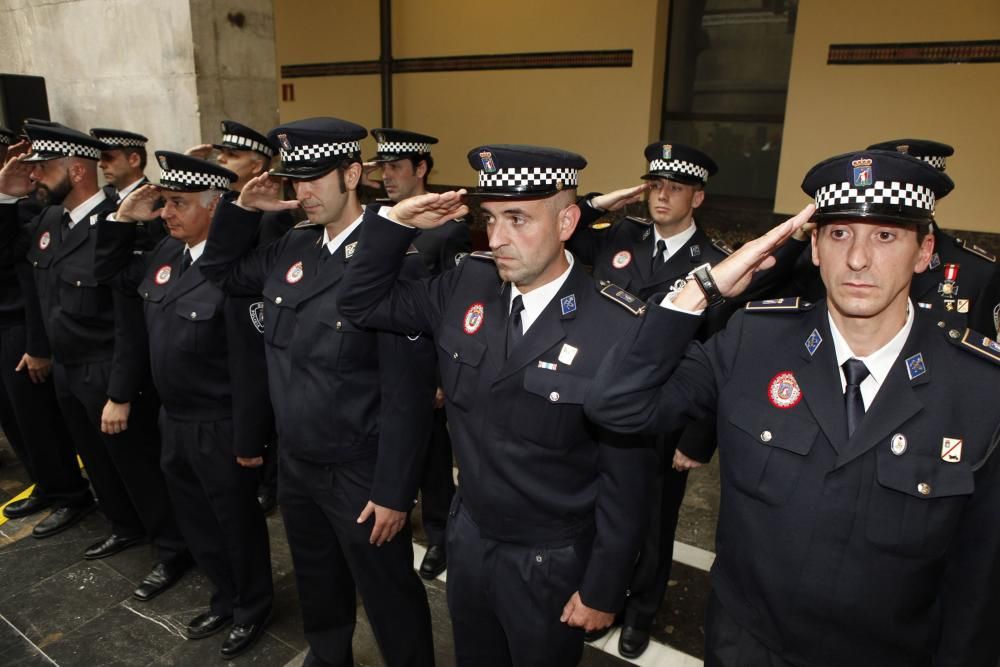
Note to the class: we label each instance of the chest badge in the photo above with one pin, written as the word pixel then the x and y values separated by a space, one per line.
pixel 44 240
pixel 162 275
pixel 567 354
pixel 935 261
pixel 621 259
pixel 813 342
pixel 950 285
pixel 915 366
pixel 568 304
pixel 474 317
pixel 294 273
pixel 898 444
pixel 951 450
pixel 350 249
pixel 784 391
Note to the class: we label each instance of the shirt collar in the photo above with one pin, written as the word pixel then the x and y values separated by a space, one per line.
pixel 879 362
pixel 127 190
pixel 675 242
pixel 537 299
pixel 196 250
pixel 81 211
pixel 338 240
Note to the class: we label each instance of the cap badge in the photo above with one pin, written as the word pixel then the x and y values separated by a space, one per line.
pixel 903 148
pixel 621 259
pixel 44 240
pixel 951 450
pixel 163 162
pixel 667 151
pixel 863 176
pixel 162 275
pixel 474 317
pixel 784 391
pixel 285 143
pixel 294 273
pixel 487 159
pixel 559 184
pixel 915 366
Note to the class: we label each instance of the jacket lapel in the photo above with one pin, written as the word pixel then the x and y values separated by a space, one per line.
pixel 186 281
pixel 496 310
pixel 819 378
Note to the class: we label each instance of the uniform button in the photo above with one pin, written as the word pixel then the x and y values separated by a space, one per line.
pixel 554 396
pixel 765 436
pixel 77 283
pixel 539 558
pixel 898 444
pixel 35 263
pixel 277 299
pixel 145 295
pixel 339 325
pixel 954 333
pixel 924 489
pixel 941 324
pixel 454 355
pixel 193 314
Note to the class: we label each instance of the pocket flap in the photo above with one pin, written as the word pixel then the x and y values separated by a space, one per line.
pixel 195 311
pixel 78 277
pixel 774 427
pixel 924 477
pixel 461 347
pixel 556 387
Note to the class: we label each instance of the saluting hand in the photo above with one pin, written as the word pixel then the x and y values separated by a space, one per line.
pixel 733 274
pixel 388 522
pixel 22 147
pixel 200 151
pixel 366 175
pixel 578 615
pixel 141 204
pixel 430 210
pixel 15 177
pixel 619 199
pixel 263 193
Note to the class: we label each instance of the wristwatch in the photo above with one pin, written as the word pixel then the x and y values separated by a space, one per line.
pixel 703 276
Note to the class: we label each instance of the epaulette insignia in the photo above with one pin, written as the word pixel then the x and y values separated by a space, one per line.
pixel 975 250
pixel 482 254
pixel 977 342
pixel 382 201
pixel 784 305
pixel 722 247
pixel 639 221
pixel 629 302
pixel 412 250
pixel 598 226
pixel 305 224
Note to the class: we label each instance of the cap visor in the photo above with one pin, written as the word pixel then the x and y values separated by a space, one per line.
pixel 43 157
pixel 479 193
pixel 870 215
pixel 687 179
pixel 301 173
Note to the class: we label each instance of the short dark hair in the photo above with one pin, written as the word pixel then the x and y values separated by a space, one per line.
pixel 138 150
pixel 417 159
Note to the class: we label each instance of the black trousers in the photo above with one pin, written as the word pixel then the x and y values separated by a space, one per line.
pixel 215 500
pixel 124 468
pixel 728 644
pixel 437 488
pixel 320 504
pixel 505 599
pixel 35 428
pixel 267 473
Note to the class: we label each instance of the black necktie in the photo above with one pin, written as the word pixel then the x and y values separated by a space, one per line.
pixel 661 249
pixel 64 226
pixel 514 333
pixel 185 260
pixel 855 372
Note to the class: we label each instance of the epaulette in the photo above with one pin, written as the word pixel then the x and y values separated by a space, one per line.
pixel 305 224
pixel 645 222
pixel 412 250
pixel 722 246
pixel 482 254
pixel 784 305
pixel 977 343
pixel 975 250
pixel 382 201
pixel 629 302
pixel 600 225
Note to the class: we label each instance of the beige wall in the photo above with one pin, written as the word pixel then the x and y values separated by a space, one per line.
pixel 608 114
pixel 837 108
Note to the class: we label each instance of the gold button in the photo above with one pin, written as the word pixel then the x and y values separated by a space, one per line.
pixel 277 299
pixel 941 324
pixel 554 396
pixel 924 489
pixel 340 325
pixel 193 314
pixel 954 333
pixel 765 436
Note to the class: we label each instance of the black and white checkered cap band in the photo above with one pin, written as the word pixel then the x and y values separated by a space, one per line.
pixel 526 177
pixel 317 151
pixel 122 142
pixel 936 161
pixel 4 140
pixel 400 147
pixel 248 143
pixel 679 167
pixel 67 148
pixel 182 177
pixel 893 193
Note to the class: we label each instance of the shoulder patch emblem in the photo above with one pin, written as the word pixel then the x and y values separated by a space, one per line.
pixel 621 259
pixel 722 247
pixel 482 254
pixel 977 343
pixel 599 226
pixel 629 302
pixel 784 305
pixel 162 275
pixel 976 250
pixel 294 273
pixel 44 240
pixel 474 317
pixel 257 315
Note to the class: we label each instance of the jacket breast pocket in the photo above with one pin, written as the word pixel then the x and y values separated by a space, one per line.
pixel 194 324
pixel 345 346
pixel 279 319
pixel 766 450
pixel 460 358
pixel 82 296
pixel 549 412
pixel 916 502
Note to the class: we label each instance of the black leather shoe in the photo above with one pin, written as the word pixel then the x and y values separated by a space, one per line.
pixel 160 578
pixel 25 507
pixel 110 545
pixel 267 501
pixel 207 624
pixel 242 637
pixel 633 641
pixel 434 563
pixel 594 635
pixel 60 519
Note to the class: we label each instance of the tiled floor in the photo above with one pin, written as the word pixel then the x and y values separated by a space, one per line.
pixel 56 608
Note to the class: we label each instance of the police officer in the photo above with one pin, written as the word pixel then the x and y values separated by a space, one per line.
pixel 546 525
pixel 29 414
pixel 858 467
pixel 405 160
pixel 351 404
pixel 646 256
pixel 207 364
pixel 98 340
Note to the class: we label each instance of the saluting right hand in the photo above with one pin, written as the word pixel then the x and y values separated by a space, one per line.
pixel 430 210
pixel 263 193
pixel 15 177
pixel 141 204
pixel 619 199
pixel 200 151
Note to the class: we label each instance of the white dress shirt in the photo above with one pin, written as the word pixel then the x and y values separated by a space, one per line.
pixel 196 250
pixel 338 240
pixel 127 190
pixel 81 211
pixel 675 242
pixel 537 299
